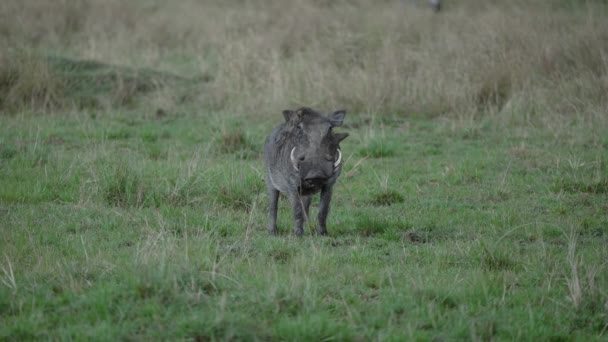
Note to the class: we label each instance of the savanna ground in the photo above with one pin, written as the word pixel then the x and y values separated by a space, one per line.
pixel 473 204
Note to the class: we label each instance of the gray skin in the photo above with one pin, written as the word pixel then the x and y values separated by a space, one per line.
pixel 312 168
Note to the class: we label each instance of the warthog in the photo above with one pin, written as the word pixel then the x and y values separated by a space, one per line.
pixel 303 158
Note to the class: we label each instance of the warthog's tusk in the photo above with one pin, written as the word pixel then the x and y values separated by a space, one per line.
pixel 293 159
pixel 339 159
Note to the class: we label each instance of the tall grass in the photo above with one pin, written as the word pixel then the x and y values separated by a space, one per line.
pixel 27 82
pixel 528 61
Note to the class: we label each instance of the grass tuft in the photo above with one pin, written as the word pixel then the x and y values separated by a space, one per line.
pixel 124 187
pixel 189 191
pixel 496 259
pixel 371 225
pixel 239 190
pixel 387 197
pixel 236 142
pixel 28 82
pixel 378 149
pixel 494 92
pixel 580 186
pixel 446 301
pixel 416 237
pixel 8 151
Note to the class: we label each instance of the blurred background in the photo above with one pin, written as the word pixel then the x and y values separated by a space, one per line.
pixel 529 61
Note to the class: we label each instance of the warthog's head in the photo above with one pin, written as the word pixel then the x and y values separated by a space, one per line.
pixel 316 153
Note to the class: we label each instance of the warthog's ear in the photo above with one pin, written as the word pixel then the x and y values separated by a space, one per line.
pixel 288 114
pixel 340 136
pixel 337 118
pixel 292 116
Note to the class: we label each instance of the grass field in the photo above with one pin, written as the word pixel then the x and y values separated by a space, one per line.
pixel 473 204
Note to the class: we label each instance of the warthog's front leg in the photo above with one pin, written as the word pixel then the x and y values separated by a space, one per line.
pixel 298 212
pixel 306 200
pixel 273 196
pixel 324 209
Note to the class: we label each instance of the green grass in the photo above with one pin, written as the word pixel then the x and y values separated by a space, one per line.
pixel 473 202
pixel 498 236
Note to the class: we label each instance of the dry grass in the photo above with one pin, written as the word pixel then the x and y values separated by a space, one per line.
pixel 529 61
pixel 28 82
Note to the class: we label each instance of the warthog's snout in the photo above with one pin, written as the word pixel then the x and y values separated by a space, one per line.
pixel 316 174
pixel 315 179
pixel 321 170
